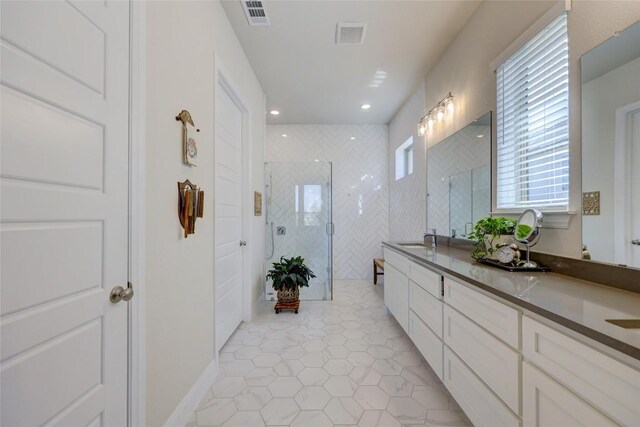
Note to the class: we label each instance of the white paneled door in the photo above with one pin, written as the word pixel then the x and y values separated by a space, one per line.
pixel 635 190
pixel 228 215
pixel 64 182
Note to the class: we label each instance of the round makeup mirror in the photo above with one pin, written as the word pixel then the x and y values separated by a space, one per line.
pixel 527 231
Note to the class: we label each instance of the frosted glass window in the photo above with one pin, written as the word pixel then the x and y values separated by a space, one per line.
pixel 312 204
pixel 404 159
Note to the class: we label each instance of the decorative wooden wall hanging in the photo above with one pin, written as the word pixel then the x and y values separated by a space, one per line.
pixel 189 146
pixel 190 206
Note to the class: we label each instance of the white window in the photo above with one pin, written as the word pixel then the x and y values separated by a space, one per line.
pixel 404 159
pixel 533 122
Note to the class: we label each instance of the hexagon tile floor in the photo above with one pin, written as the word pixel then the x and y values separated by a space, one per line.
pixel 337 363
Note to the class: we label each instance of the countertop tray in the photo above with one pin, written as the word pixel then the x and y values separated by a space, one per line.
pixel 511 267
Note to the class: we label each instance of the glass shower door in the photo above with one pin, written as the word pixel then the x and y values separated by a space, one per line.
pixel 299 223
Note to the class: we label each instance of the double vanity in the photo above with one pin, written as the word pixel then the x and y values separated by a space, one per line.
pixel 518 349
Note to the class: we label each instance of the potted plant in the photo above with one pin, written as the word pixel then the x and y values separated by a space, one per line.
pixel 489 233
pixel 287 277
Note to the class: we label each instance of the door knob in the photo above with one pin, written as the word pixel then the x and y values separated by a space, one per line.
pixel 119 293
pixel 635 242
pixel 243 243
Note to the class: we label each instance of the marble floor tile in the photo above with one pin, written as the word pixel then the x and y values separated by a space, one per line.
pixel 344 362
pixel 280 411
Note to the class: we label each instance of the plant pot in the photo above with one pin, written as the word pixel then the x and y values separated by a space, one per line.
pixel 289 295
pixel 492 246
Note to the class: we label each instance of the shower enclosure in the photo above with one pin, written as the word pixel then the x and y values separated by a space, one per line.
pixel 299 222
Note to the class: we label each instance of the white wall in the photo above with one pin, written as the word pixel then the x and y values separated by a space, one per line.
pixel 360 185
pixel 407 196
pixel 464 70
pixel 182 38
pixel 601 97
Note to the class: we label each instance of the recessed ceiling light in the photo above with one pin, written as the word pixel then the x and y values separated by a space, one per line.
pixel 284 135
pixel 352 138
pixel 365 106
pixel 274 112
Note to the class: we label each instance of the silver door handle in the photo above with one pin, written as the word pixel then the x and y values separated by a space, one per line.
pixel 119 293
pixel 635 242
pixel 243 243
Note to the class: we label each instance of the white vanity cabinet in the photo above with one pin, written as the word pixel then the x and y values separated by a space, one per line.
pixel 482 337
pixel 396 287
pixel 425 315
pixel 503 367
pixel 594 388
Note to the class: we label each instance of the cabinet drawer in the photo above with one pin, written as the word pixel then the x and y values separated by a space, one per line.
pixel 494 362
pixel 426 279
pixel 497 318
pixel 546 403
pixel 400 262
pixel 605 383
pixel 426 307
pixel 481 406
pixel 427 342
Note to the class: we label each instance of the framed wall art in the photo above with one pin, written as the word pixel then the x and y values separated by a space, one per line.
pixel 189 144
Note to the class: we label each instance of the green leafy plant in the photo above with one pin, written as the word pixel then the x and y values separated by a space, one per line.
pixel 290 274
pixel 485 233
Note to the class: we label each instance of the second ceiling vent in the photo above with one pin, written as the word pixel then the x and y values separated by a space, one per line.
pixel 256 14
pixel 350 32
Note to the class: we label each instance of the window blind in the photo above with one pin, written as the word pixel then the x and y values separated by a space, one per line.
pixel 533 122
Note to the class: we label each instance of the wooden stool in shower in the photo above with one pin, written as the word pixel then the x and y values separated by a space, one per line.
pixel 378 263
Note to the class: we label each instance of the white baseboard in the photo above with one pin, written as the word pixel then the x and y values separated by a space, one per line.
pixel 180 415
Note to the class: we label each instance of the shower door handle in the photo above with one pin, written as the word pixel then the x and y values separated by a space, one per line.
pixel 329 228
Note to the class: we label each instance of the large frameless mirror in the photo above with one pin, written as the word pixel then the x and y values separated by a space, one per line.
pixel 611 150
pixel 459 179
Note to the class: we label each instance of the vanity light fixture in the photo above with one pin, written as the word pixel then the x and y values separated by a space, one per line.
pixel 437 113
pixel 274 112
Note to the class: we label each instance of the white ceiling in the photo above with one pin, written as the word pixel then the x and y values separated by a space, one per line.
pixel 310 79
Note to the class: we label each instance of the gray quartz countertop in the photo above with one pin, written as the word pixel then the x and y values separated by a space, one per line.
pixel 575 304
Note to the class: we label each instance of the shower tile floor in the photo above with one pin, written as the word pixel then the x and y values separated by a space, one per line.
pixel 337 363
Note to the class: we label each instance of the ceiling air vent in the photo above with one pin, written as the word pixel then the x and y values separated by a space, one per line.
pixel 350 32
pixel 256 15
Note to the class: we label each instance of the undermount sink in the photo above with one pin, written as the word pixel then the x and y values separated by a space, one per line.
pixel 625 323
pixel 412 245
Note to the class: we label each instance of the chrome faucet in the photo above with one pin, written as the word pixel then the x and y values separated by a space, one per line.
pixel 434 237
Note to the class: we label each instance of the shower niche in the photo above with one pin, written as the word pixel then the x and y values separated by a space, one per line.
pixel 298 219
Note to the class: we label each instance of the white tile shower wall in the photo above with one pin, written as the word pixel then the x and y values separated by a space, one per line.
pixel 360 185
pixel 407 214
pixel 460 152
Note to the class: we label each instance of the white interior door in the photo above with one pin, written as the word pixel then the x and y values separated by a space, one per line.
pixel 228 216
pixel 64 178
pixel 634 231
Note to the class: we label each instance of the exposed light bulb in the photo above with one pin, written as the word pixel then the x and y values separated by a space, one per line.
pixel 274 112
pixel 430 122
pixel 365 106
pixel 352 138
pixel 284 135
pixel 421 129
pixel 450 105
pixel 440 114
